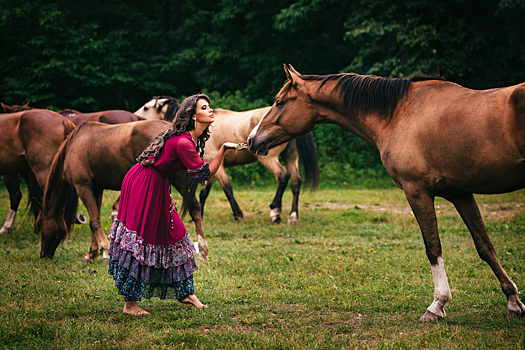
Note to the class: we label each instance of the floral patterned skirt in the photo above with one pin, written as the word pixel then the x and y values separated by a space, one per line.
pixel 144 271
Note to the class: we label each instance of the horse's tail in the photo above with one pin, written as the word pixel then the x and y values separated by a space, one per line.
pixel 59 197
pixel 35 194
pixel 308 156
pixel 72 195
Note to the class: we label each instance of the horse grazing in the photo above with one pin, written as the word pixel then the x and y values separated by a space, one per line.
pixel 230 126
pixel 28 144
pixel 435 138
pixel 113 150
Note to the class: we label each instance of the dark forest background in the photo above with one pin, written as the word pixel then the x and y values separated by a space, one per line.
pixel 94 55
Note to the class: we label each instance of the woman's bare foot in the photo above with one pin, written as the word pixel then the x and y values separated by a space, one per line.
pixel 192 299
pixel 132 308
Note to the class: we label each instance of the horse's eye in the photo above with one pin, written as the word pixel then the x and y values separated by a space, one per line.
pixel 279 103
pixel 145 109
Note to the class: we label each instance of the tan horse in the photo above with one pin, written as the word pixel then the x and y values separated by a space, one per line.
pixel 435 138
pixel 29 141
pixel 113 150
pixel 230 126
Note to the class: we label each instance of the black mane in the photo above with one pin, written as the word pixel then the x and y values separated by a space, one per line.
pixel 173 106
pixel 368 93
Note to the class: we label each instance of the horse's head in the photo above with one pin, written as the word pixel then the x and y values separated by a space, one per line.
pixel 159 107
pixel 52 232
pixel 14 109
pixel 292 115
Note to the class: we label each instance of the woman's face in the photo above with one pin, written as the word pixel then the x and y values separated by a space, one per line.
pixel 203 113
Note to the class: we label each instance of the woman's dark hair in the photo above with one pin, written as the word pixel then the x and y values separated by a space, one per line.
pixel 182 122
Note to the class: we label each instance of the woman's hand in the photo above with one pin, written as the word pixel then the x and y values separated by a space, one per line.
pixel 235 146
pixel 173 203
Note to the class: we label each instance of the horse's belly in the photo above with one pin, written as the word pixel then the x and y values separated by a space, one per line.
pixel 13 165
pixel 490 181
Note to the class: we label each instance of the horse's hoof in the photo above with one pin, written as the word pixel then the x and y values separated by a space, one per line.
pixel 276 220
pixel 239 218
pixel 512 314
pixel 293 219
pixel 86 261
pixel 105 261
pixel 202 257
pixel 5 230
pixel 430 317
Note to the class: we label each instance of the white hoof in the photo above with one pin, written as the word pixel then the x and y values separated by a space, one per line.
pixel 9 222
pixel 275 215
pixel 293 219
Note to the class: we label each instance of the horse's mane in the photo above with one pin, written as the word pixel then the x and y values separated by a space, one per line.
pixel 173 106
pixel 366 93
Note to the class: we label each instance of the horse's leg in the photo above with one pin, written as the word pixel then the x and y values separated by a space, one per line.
pixel 92 199
pixel 469 211
pixel 114 209
pixel 282 176
pixel 195 213
pixel 422 204
pixel 203 195
pixel 15 196
pixel 290 158
pixel 223 179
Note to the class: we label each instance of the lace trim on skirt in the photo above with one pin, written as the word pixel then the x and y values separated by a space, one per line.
pixel 134 290
pixel 155 256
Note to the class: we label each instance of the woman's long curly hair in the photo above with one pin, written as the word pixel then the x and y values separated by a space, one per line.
pixel 182 122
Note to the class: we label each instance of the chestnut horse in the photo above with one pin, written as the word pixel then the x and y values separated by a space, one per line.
pixel 106 117
pixel 235 127
pixel 113 150
pixel 28 144
pixel 435 138
pixel 77 118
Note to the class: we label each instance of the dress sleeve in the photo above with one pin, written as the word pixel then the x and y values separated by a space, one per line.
pixel 197 167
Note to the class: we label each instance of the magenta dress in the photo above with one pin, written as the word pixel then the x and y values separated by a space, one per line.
pixel 151 253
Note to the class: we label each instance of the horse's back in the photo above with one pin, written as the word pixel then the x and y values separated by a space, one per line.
pixel 103 153
pixel 458 138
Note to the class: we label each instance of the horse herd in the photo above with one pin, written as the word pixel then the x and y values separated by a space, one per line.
pixel 435 138
pixel 51 150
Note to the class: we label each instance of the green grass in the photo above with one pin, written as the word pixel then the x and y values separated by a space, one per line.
pixel 351 274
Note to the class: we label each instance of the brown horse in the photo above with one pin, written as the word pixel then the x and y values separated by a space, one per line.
pixel 113 150
pixel 435 138
pixel 235 127
pixel 106 117
pixel 77 118
pixel 28 144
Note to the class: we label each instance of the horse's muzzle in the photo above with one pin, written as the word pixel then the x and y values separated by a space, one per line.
pixel 257 148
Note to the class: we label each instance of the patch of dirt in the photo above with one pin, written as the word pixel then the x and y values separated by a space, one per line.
pixel 501 212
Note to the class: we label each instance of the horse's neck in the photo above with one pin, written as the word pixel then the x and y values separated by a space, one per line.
pixel 366 126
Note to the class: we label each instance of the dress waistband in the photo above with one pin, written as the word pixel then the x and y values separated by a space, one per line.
pixel 158 172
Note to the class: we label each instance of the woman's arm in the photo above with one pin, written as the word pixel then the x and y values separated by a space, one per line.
pixel 216 162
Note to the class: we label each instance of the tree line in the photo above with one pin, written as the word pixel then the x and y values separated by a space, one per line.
pixel 94 55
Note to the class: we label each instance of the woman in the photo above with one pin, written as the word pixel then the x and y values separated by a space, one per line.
pixel 151 252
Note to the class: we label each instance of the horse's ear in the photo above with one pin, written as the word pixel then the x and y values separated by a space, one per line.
pixel 292 69
pixel 292 75
pixel 4 107
pixel 287 71
pixel 26 105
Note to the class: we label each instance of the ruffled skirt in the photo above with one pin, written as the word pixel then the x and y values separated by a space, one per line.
pixel 145 271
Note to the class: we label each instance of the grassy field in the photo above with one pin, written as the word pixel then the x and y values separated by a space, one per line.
pixel 351 274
